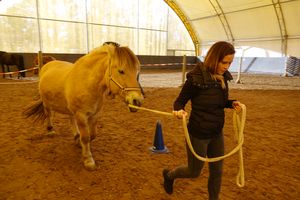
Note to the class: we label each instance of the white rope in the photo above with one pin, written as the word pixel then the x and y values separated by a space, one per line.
pixel 238 124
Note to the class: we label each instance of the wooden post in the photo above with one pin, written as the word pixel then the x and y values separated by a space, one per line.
pixel 40 60
pixel 183 69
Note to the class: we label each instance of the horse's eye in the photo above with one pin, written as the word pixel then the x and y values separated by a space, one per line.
pixel 121 71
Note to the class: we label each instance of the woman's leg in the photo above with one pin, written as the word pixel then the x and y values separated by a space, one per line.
pixel 194 166
pixel 191 170
pixel 215 149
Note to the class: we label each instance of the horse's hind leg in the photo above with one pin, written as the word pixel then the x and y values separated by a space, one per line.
pixel 82 123
pixel 49 121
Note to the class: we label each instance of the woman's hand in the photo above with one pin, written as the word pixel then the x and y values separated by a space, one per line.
pixel 180 113
pixel 237 106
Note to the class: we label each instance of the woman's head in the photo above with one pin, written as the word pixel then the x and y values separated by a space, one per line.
pixel 219 57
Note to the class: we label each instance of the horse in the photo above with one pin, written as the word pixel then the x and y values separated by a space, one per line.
pixel 9 59
pixel 45 60
pixel 79 89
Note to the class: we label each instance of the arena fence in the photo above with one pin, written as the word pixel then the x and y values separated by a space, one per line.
pixel 147 62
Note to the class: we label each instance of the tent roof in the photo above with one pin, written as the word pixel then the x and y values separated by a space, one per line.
pixel 268 24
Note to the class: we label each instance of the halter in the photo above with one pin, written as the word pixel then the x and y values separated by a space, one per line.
pixel 123 89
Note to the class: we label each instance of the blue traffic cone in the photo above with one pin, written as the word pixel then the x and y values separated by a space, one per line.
pixel 158 143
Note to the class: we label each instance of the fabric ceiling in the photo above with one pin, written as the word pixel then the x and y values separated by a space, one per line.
pixel 268 24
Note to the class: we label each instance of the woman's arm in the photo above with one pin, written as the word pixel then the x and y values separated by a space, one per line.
pixel 184 95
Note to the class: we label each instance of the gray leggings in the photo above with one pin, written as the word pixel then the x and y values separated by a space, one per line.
pixel 203 147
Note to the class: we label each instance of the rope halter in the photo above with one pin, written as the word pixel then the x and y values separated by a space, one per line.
pixel 123 89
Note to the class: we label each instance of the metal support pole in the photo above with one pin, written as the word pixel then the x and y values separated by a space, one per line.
pixel 238 80
pixel 39 25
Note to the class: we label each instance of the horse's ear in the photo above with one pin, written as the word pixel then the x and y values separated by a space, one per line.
pixel 115 44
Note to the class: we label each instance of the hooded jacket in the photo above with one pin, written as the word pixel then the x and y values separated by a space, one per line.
pixel 208 100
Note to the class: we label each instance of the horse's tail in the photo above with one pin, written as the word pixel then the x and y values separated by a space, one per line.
pixel 36 111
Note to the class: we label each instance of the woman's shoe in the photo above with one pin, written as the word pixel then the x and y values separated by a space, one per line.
pixel 168 182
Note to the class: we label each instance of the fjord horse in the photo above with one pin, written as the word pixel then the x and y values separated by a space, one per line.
pixel 45 60
pixel 78 90
pixel 10 59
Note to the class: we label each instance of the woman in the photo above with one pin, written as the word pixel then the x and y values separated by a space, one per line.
pixel 206 86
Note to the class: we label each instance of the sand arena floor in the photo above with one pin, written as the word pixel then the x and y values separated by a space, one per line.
pixel 35 166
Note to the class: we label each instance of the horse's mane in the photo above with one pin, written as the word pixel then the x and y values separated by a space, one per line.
pixel 127 57
pixel 122 55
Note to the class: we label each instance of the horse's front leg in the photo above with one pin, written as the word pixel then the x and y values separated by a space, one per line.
pixel 75 130
pixel 92 121
pixel 92 125
pixel 8 70
pixel 84 130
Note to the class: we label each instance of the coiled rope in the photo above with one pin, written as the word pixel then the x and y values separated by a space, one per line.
pixel 238 125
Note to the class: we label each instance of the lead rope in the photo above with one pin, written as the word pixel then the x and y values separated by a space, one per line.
pixel 238 125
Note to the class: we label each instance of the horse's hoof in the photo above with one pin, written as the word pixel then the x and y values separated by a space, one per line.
pixel 90 164
pixel 93 137
pixel 51 133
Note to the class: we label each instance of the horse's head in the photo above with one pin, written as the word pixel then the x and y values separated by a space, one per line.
pixel 122 73
pixel 45 60
pixel 2 53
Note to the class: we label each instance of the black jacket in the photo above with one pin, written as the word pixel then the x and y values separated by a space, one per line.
pixel 208 100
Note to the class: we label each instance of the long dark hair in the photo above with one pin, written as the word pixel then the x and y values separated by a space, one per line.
pixel 216 53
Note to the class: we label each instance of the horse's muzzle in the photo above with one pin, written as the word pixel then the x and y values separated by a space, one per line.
pixel 135 99
pixel 135 103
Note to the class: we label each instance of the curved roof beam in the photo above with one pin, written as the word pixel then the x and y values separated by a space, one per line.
pixel 220 13
pixel 187 24
pixel 282 26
